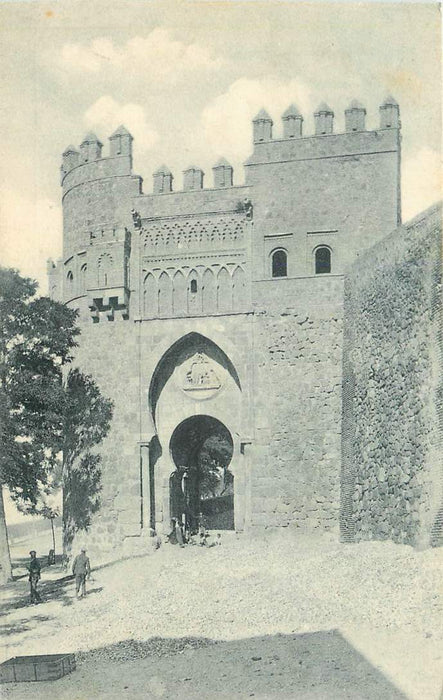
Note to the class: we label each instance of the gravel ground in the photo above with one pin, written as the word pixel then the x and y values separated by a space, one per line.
pixel 158 615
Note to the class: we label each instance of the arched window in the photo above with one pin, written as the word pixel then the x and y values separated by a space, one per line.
pixel 194 293
pixel 224 291
pixel 179 295
pixel 83 278
pixel 164 295
pixel 322 260
pixel 279 263
pixel 209 291
pixel 150 296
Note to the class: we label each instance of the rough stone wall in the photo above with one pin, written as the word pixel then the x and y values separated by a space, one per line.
pixel 392 420
pixel 96 195
pixel 296 456
pixel 110 354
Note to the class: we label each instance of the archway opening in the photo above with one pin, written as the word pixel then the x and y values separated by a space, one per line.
pixel 202 488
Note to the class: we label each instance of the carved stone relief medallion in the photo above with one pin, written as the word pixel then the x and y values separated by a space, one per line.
pixel 199 377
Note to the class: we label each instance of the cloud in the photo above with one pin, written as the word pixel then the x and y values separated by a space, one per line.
pixel 106 114
pixel 30 233
pixel 158 53
pixel 226 120
pixel 421 182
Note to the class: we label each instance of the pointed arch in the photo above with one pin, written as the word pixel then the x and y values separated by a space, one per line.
pixel 224 290
pixel 165 295
pixel 209 292
pixel 83 271
pixel 150 296
pixel 194 293
pixel 182 349
pixel 179 294
pixel 69 286
pixel 239 288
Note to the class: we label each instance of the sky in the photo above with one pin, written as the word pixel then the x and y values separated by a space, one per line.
pixel 186 78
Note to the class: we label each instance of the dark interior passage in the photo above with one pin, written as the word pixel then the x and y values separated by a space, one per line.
pixel 202 485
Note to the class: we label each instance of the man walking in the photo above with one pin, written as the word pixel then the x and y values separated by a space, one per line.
pixel 81 568
pixel 34 577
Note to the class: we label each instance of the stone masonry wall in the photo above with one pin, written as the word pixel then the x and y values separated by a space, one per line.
pixel 392 419
pixel 296 458
pixel 109 352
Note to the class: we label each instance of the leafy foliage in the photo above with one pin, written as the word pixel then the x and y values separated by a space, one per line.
pixel 81 495
pixel 37 336
pixel 213 462
pixel 88 418
pixel 42 417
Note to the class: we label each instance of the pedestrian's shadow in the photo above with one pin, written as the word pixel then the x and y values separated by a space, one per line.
pixel 61 590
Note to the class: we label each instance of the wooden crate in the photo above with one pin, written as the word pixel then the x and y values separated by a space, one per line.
pixel 45 667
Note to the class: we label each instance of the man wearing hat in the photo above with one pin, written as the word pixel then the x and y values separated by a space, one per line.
pixel 81 568
pixel 34 577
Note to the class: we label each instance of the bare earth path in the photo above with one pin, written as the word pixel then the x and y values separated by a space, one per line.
pixel 278 618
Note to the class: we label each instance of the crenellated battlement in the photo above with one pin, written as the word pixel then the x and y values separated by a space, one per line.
pixel 324 143
pixel 87 163
pixel 310 203
pixel 355 118
pixel 109 234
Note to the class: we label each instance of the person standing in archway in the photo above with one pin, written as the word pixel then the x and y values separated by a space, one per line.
pixel 177 498
pixel 176 534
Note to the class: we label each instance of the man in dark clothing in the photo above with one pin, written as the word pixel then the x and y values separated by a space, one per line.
pixel 81 568
pixel 177 497
pixel 176 534
pixel 34 577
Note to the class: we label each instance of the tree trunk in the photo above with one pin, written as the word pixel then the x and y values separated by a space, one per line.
pixel 53 535
pixel 68 537
pixel 5 558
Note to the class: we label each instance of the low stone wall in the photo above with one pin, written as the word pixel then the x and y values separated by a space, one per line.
pixel 392 368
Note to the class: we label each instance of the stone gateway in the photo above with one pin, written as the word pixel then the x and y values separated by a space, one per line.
pixel 213 317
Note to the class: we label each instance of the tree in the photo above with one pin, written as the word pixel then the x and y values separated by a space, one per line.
pixel 86 422
pixel 37 336
pixel 46 505
pixel 213 461
pixel 50 514
pixel 41 416
pixel 87 418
